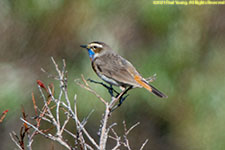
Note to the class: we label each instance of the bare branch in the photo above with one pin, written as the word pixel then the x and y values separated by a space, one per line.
pixel 57 105
pixel 88 88
pixel 104 133
pixel 65 123
pixel 75 118
pixel 131 128
pixel 143 145
pixel 126 143
pixel 151 79
pixel 117 144
pixel 58 139
pixel 117 138
pixel 56 67
pixel 13 139
pixel 86 119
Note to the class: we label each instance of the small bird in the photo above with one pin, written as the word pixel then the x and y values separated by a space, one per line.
pixel 115 70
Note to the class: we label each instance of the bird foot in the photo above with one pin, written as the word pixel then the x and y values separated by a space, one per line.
pixel 109 88
pixel 121 100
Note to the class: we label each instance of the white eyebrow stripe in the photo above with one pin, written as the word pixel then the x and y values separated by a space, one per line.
pixel 95 44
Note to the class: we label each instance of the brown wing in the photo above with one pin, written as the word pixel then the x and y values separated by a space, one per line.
pixel 115 67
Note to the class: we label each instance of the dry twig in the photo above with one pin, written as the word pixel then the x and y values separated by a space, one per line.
pixel 61 105
pixel 3 115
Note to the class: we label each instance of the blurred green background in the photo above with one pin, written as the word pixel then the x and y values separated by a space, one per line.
pixel 183 45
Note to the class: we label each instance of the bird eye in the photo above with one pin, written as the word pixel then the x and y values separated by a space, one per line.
pixel 95 47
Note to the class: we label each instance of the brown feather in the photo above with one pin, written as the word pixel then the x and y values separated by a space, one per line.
pixel 116 70
pixel 115 67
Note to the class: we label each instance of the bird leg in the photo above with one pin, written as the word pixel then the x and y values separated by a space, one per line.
pixel 121 98
pixel 110 88
pixel 113 90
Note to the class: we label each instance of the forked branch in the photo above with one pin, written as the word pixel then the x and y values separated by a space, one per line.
pixel 58 112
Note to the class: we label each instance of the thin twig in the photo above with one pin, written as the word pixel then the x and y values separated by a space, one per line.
pixel 151 79
pixel 75 118
pixel 34 103
pixel 65 123
pixel 116 138
pixel 131 128
pixel 17 144
pixel 126 143
pixel 86 119
pixel 62 102
pixel 68 106
pixel 143 145
pixel 88 88
pixel 58 139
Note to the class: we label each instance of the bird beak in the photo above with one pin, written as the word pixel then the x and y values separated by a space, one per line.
pixel 83 46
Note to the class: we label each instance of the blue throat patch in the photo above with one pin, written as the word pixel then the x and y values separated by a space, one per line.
pixel 91 53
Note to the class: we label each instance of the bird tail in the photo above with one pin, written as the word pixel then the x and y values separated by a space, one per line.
pixel 149 87
pixel 157 92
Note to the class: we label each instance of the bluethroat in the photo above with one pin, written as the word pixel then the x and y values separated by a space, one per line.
pixel 115 70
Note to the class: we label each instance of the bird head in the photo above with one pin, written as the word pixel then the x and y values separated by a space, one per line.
pixel 95 48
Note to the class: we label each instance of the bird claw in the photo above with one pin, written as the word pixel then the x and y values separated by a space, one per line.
pixel 121 100
pixel 111 91
pixel 110 88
